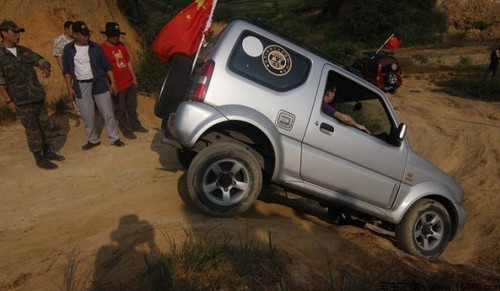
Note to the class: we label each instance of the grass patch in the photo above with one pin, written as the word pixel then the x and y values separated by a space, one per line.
pixel 421 64
pixel 218 261
pixel 460 79
pixel 472 86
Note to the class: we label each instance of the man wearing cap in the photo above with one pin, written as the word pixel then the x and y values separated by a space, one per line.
pixel 86 72
pixel 23 93
pixel 125 101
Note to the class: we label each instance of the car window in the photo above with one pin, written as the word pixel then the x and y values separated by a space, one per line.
pixel 362 104
pixel 268 63
pixel 209 46
pixel 386 68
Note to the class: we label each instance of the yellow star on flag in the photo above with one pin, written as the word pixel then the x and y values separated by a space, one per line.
pixel 201 3
pixel 185 31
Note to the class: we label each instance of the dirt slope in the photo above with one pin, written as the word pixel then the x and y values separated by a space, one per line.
pixel 462 137
pixel 54 225
pixel 464 15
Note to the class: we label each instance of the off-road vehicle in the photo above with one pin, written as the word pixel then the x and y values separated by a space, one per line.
pixel 381 69
pixel 250 113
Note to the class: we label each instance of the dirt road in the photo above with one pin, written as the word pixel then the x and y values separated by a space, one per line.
pixel 55 224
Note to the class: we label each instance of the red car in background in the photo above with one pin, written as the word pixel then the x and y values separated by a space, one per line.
pixel 381 69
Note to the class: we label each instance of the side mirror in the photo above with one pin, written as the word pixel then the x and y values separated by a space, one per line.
pixel 402 131
pixel 398 135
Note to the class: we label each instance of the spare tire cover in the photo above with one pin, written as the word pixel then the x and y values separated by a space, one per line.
pixel 174 86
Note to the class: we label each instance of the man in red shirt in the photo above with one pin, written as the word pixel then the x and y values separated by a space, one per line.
pixel 125 101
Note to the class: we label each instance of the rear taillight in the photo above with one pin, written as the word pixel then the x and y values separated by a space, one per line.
pixel 200 85
pixel 379 74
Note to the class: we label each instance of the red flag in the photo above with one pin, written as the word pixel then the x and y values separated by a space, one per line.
pixel 393 42
pixel 183 33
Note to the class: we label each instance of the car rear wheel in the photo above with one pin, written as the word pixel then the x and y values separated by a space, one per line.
pixel 425 229
pixel 174 86
pixel 224 180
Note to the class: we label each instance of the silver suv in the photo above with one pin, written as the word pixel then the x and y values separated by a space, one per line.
pixel 251 112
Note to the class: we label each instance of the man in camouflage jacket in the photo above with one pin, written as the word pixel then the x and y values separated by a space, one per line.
pixel 23 93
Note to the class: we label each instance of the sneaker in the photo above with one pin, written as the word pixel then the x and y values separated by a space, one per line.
pixel 118 143
pixel 129 135
pixel 141 128
pixel 90 145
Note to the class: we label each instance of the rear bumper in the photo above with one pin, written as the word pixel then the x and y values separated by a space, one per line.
pixel 189 122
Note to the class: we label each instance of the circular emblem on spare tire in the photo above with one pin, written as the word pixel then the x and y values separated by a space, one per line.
pixel 277 60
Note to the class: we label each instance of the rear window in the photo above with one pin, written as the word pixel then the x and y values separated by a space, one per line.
pixel 387 68
pixel 268 63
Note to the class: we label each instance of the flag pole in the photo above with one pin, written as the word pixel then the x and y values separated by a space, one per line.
pixel 382 45
pixel 203 33
pixel 198 51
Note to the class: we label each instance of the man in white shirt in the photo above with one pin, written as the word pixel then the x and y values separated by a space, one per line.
pixel 86 72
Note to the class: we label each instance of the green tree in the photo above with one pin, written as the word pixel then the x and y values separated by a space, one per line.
pixel 414 21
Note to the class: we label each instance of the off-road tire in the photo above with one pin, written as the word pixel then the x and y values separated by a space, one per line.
pixel 425 229
pixel 224 180
pixel 174 86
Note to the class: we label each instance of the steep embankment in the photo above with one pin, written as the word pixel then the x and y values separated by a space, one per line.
pixel 464 16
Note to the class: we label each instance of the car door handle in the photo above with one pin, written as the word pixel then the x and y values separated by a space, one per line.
pixel 325 127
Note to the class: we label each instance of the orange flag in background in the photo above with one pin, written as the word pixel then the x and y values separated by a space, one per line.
pixel 393 42
pixel 183 33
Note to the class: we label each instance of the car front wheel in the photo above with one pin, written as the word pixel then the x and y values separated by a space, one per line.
pixel 425 229
pixel 224 180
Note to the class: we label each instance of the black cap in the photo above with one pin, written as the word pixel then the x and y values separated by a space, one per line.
pixel 112 29
pixel 10 25
pixel 81 27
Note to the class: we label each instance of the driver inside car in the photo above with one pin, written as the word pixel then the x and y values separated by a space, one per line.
pixel 328 109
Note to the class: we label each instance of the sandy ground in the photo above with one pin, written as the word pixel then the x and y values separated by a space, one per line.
pixel 56 226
